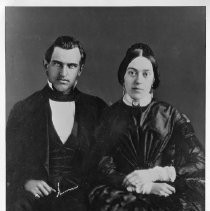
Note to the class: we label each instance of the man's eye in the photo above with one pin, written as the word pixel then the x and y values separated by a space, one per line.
pixel 57 64
pixel 72 66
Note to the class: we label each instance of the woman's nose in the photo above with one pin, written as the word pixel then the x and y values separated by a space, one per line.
pixel 139 78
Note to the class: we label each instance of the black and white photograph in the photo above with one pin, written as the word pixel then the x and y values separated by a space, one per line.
pixel 105 107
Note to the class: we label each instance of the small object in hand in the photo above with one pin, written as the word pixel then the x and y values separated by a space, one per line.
pixel 37 195
pixel 129 189
pixel 163 194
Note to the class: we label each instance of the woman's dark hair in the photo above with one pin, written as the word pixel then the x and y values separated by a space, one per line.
pixel 139 49
pixel 65 42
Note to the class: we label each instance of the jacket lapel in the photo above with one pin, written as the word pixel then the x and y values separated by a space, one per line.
pixel 41 137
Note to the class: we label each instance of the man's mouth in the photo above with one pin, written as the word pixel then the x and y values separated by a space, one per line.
pixel 61 80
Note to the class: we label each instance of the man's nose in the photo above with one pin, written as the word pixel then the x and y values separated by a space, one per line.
pixel 63 70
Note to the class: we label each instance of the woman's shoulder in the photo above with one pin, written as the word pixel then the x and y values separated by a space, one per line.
pixel 161 103
pixel 167 108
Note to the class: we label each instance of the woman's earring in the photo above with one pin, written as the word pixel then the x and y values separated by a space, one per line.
pixel 151 90
pixel 123 89
pixel 152 87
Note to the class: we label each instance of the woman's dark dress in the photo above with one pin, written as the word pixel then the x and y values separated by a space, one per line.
pixel 141 138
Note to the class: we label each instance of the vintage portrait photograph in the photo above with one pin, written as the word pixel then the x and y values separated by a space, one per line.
pixel 105 108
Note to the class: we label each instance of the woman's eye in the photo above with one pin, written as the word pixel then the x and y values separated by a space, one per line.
pixel 145 74
pixel 131 73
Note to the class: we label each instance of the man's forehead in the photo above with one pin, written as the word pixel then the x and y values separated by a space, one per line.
pixel 66 55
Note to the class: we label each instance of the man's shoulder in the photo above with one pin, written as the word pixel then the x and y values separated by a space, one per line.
pixel 113 110
pixel 91 106
pixel 91 100
pixel 30 102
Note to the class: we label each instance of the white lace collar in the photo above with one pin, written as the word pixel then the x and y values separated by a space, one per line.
pixel 143 102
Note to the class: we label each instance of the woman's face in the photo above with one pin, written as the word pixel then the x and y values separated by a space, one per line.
pixel 139 78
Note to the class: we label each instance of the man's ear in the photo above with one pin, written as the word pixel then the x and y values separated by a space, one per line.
pixel 45 64
pixel 81 69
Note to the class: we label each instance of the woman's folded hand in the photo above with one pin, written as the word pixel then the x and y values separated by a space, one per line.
pixel 160 189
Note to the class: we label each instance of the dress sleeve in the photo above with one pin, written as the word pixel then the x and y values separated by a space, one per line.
pixel 108 172
pixel 189 154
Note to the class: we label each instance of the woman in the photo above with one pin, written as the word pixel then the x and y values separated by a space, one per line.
pixel 151 159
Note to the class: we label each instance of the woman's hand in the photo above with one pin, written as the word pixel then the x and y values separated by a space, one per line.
pixel 162 189
pixel 38 188
pixel 137 177
pixel 157 173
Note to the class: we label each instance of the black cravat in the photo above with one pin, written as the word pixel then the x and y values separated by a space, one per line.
pixel 55 95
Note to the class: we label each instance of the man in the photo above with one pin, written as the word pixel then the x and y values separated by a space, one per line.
pixel 49 136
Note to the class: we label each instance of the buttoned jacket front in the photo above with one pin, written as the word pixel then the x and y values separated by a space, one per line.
pixel 27 143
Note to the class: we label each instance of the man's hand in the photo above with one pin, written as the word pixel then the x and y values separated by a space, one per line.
pixel 38 188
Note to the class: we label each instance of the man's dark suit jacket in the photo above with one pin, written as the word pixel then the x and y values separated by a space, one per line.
pixel 27 144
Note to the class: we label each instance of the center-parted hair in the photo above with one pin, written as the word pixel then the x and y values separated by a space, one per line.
pixel 136 50
pixel 66 42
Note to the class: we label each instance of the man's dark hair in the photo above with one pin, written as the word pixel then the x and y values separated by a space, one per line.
pixel 66 42
pixel 139 49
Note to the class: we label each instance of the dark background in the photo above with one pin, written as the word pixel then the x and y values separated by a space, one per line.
pixel 176 34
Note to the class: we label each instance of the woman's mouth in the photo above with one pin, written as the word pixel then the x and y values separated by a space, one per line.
pixel 137 89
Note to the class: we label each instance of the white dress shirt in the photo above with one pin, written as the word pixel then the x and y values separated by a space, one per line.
pixel 63 114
